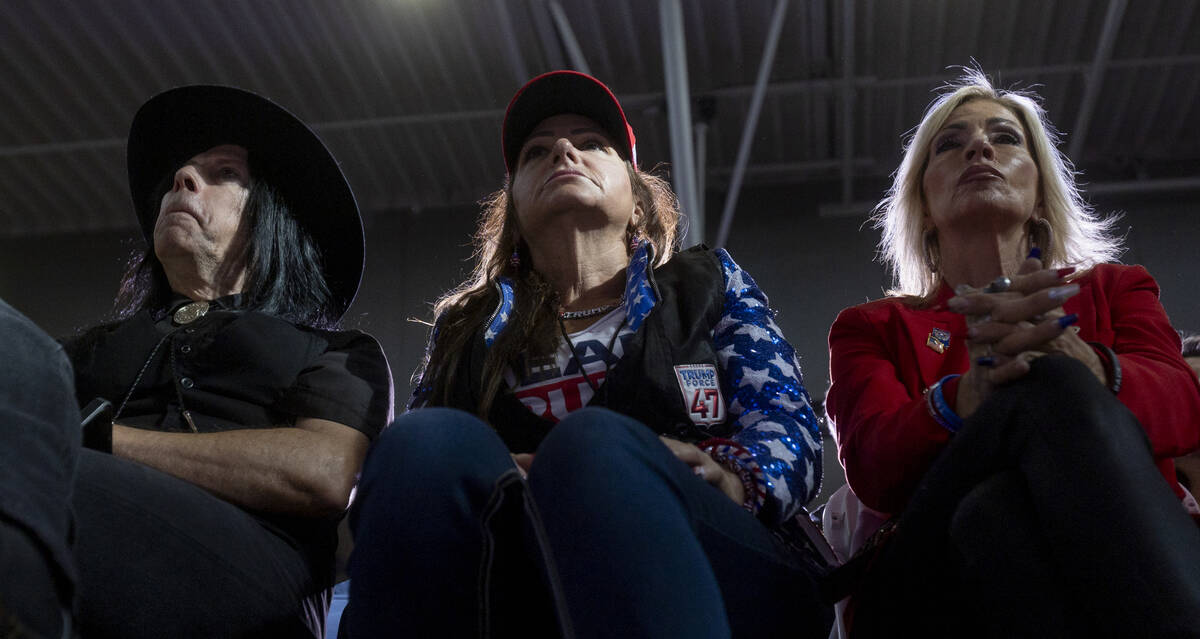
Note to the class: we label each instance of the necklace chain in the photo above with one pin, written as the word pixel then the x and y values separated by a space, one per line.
pixel 591 312
pixel 575 354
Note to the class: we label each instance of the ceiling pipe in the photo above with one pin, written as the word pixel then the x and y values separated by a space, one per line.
pixel 516 61
pixel 700 140
pixel 847 102
pixel 1095 76
pixel 574 53
pixel 551 47
pixel 794 87
pixel 1162 185
pixel 756 102
pixel 679 117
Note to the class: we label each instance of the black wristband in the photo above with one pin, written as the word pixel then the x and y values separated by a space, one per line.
pixel 1112 365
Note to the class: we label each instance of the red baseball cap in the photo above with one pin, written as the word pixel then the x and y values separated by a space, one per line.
pixel 559 92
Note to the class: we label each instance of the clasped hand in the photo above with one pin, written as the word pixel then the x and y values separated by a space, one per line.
pixel 1007 330
pixel 707 468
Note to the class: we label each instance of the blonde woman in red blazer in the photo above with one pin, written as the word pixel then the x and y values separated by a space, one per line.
pixel 1014 407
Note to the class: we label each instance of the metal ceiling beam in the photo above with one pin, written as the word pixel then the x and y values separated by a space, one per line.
pixel 551 47
pixel 803 169
pixel 679 116
pixel 1095 77
pixel 756 101
pixel 598 48
pixel 1184 95
pixel 822 170
pixel 60 147
pixel 1182 18
pixel 700 139
pixel 847 102
pixel 1143 186
pixel 404 73
pixel 631 43
pixel 640 99
pixel 516 61
pixel 578 62
pixel 375 71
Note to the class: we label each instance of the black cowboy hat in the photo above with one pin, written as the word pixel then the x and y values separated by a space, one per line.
pixel 180 123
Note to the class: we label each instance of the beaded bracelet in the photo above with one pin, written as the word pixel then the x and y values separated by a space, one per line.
pixel 939 410
pixel 736 459
pixel 1112 365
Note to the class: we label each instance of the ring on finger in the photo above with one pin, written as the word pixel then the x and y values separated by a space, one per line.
pixel 998 285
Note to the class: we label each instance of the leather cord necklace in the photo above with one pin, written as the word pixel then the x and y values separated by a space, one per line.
pixel 185 314
pixel 575 353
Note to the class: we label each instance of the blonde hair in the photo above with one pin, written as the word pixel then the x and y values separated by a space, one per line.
pixel 1080 237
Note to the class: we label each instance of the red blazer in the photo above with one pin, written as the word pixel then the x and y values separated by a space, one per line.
pixel 880 366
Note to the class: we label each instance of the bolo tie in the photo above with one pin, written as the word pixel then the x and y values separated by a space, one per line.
pixel 182 316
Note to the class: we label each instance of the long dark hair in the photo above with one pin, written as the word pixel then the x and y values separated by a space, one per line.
pixel 532 327
pixel 284 274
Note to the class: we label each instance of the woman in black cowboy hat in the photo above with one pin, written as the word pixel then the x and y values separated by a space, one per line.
pixel 632 441
pixel 206 499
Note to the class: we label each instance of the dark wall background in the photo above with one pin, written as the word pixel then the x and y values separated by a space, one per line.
pixel 810 266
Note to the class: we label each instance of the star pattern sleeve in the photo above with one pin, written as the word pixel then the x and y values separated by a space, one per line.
pixel 768 405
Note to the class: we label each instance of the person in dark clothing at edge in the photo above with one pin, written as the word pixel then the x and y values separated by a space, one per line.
pixel 204 501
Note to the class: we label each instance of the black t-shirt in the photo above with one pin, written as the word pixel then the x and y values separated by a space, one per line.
pixel 234 369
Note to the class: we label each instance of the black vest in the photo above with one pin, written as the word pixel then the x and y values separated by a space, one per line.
pixel 643 385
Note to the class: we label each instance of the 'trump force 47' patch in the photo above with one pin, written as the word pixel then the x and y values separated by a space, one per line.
pixel 701 390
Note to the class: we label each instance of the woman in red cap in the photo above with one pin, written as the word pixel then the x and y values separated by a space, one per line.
pixel 613 438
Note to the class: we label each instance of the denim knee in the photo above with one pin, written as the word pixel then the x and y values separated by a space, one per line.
pixel 594 427
pixel 36 377
pixel 430 443
pixel 594 442
pixel 39 436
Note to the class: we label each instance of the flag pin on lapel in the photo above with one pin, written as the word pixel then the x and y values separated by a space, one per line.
pixel 939 340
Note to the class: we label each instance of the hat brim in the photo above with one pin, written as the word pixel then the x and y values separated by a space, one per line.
pixel 180 123
pixel 560 92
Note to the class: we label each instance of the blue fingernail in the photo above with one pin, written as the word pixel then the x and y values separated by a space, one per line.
pixel 1035 253
pixel 1067 320
pixel 986 360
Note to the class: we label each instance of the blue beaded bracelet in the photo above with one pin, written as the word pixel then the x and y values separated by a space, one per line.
pixel 939 409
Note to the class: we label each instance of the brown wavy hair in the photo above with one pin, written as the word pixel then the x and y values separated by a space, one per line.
pixel 532 324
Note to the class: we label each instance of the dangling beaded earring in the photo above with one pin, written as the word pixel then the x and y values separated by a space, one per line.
pixel 634 240
pixel 515 260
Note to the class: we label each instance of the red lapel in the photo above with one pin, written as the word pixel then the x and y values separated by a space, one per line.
pixel 919 324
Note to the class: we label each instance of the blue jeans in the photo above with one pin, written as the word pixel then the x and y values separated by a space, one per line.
pixel 135 552
pixel 39 444
pixel 611 535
